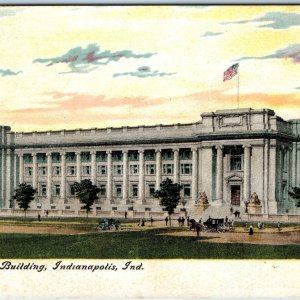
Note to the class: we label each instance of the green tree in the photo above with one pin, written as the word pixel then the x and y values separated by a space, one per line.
pixel 24 194
pixel 169 196
pixel 87 192
pixel 295 194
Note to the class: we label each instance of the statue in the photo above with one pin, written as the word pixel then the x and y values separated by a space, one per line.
pixel 203 198
pixel 254 199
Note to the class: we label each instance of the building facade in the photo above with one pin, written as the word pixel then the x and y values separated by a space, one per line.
pixel 228 154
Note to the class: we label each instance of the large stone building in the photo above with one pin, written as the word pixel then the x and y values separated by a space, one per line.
pixel 228 154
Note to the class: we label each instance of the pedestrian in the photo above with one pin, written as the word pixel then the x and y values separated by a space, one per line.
pixel 278 226
pixel 125 214
pixel 182 221
pixel 166 219
pixel 188 221
pixel 179 221
pixel 198 228
pixel 39 217
pixel 47 213
pixel 143 223
pixel 226 219
pixel 231 210
pixel 251 230
pixel 151 221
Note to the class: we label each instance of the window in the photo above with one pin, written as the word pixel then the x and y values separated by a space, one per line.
pixel 236 153
pixel 27 158
pixel 186 168
pixel 168 169
pixel 43 190
pixel 118 190
pixel 56 171
pixel 102 192
pixel 236 162
pixel 150 169
pixel 167 154
pixel 72 190
pixel 149 155
pixel 56 190
pixel 101 170
pixel 55 157
pixel 186 190
pixel 185 154
pixel 134 190
pixel 85 156
pixel 100 156
pixel 151 189
pixel 28 171
pixel 134 169
pixel 117 156
pixel 133 155
pixel 70 157
pixel 41 158
pixel 42 171
pixel 71 170
pixel 118 170
pixel 86 170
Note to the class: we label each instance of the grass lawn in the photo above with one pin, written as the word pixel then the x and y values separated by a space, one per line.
pixel 144 244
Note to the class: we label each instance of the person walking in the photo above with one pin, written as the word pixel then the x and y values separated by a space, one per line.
pixel 182 221
pixel 198 228
pixel 166 219
pixel 251 230
pixel 125 214
pixel 151 221
pixel 39 217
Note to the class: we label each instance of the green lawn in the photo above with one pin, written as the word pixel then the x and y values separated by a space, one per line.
pixel 141 244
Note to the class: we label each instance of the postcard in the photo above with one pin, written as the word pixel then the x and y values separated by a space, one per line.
pixel 150 151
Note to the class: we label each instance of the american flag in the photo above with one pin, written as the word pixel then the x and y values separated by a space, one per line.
pixel 231 72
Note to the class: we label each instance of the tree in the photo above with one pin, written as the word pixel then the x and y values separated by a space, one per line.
pixel 169 196
pixel 87 193
pixel 24 194
pixel 295 194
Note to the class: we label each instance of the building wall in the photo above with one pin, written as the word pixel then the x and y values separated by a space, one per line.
pixel 270 158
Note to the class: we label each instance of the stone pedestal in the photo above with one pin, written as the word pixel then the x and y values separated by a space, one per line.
pixel 254 209
pixel 199 208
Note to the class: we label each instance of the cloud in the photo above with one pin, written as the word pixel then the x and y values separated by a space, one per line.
pixel 210 33
pixel 292 52
pixel 144 72
pixel 298 88
pixel 84 60
pixel 8 72
pixel 278 20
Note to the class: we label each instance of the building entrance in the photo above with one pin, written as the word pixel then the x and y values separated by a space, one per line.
pixel 236 195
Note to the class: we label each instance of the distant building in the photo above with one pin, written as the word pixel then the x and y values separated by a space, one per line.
pixel 228 154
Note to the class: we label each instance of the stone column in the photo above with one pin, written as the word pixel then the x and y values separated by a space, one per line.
pixel 34 171
pixel 280 171
pixel 194 174
pixel 220 173
pixel 21 168
pixel 9 153
pixel 49 176
pixel 78 166
pixel 247 166
pixel 63 175
pixel 15 170
pixel 176 165
pixel 109 175
pixel 94 168
pixel 125 175
pixel 158 168
pixel 141 176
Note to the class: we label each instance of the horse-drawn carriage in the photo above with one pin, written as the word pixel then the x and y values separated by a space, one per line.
pixel 216 225
pixel 109 224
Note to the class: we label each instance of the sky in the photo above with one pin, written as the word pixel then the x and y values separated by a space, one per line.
pixel 65 67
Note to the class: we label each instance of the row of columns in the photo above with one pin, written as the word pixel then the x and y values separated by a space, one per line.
pixel 109 187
